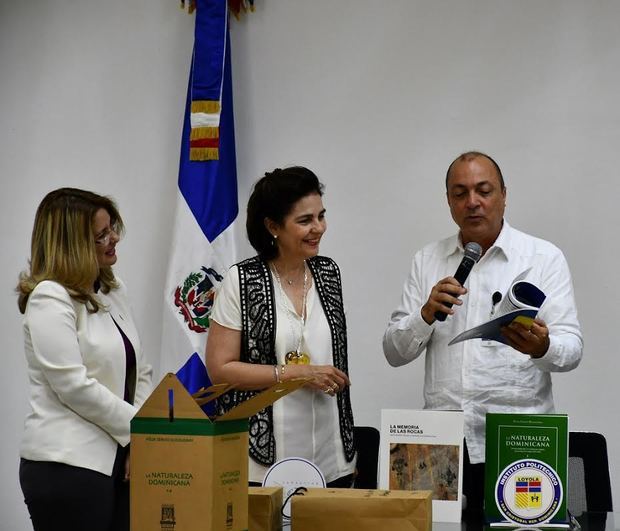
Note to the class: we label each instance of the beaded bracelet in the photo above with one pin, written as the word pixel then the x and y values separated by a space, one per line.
pixel 276 373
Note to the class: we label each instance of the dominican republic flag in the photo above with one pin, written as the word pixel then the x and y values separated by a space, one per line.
pixel 203 246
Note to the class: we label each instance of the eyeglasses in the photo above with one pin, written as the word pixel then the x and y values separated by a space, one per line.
pixel 105 238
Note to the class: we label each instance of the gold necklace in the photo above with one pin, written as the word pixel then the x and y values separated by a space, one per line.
pixel 291 281
pixel 295 357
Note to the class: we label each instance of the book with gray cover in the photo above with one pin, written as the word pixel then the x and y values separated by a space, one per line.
pixel 423 450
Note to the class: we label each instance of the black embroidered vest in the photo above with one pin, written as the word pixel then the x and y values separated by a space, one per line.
pixel 258 338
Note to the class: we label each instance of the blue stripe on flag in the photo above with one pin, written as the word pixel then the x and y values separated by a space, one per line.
pixel 193 375
pixel 210 187
pixel 209 38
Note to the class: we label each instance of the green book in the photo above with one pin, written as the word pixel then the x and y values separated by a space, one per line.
pixel 526 468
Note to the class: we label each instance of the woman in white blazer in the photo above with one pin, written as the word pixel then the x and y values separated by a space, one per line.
pixel 86 371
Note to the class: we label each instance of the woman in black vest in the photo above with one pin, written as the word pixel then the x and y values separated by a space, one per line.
pixel 278 316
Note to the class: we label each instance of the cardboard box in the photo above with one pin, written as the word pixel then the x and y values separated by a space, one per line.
pixel 189 472
pixel 362 510
pixel 265 506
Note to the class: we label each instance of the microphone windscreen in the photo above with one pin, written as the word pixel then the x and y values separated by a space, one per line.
pixel 473 251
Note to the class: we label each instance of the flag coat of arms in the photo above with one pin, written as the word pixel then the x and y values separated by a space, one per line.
pixel 203 245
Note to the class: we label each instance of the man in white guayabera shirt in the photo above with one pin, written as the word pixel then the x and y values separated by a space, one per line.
pixel 484 376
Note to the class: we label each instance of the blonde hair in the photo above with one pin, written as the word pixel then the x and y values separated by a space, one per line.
pixel 63 246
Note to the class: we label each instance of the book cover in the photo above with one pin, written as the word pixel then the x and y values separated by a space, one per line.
pixel 526 468
pixel 423 450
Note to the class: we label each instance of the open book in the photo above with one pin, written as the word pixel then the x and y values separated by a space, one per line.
pixel 520 304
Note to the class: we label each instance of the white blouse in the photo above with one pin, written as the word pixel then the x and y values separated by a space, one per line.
pixel 305 423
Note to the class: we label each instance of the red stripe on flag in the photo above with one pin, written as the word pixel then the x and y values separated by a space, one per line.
pixel 205 142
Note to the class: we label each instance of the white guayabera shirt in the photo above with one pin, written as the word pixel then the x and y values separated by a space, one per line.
pixel 484 376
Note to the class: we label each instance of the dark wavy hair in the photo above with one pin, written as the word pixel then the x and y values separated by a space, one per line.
pixel 273 197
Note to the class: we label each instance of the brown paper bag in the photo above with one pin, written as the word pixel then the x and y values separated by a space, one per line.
pixel 264 505
pixel 362 510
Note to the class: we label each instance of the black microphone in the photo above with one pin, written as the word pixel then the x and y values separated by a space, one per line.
pixel 495 299
pixel 473 252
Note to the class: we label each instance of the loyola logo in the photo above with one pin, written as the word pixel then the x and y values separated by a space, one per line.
pixel 528 492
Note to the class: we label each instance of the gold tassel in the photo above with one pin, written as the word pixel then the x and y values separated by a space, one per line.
pixel 204 132
pixel 206 106
pixel 204 154
pixel 191 6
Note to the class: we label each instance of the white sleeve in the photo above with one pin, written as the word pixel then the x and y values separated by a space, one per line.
pixel 51 320
pixel 227 305
pixel 144 382
pixel 559 311
pixel 407 333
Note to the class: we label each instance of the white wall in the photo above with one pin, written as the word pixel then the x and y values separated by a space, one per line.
pixel 377 98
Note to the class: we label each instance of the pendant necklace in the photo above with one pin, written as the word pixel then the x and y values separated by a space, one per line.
pixel 295 357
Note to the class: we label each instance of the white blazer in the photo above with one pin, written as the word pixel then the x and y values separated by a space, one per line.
pixel 76 369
